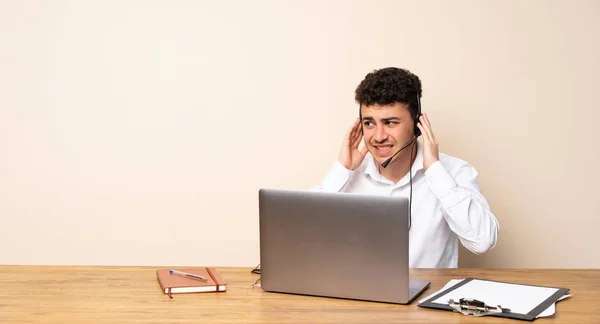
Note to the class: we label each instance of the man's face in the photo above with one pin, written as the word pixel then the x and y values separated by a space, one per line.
pixel 386 129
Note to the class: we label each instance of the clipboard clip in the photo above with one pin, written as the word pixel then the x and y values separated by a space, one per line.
pixel 474 307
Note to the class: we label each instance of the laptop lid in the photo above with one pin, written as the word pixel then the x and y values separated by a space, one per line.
pixel 340 245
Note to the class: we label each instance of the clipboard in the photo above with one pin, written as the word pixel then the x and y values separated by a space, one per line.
pixel 525 302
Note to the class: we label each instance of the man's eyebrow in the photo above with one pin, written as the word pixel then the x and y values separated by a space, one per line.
pixel 383 119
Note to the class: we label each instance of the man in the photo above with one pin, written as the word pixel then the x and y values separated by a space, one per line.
pixel 446 204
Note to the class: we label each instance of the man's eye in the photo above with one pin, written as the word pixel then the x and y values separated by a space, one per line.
pixel 391 123
pixel 367 123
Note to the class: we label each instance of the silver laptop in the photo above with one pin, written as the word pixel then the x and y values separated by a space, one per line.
pixel 339 245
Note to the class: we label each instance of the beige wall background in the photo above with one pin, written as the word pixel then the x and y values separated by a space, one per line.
pixel 139 132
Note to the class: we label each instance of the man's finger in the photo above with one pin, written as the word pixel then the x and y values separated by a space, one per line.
pixel 423 124
pixel 358 128
pixel 356 140
pixel 420 127
pixel 351 132
pixel 425 132
pixel 428 123
pixel 430 134
pixel 364 151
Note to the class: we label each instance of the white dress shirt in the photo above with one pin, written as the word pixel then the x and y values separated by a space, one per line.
pixel 447 206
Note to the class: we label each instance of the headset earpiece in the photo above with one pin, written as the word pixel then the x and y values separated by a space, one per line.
pixel 417 130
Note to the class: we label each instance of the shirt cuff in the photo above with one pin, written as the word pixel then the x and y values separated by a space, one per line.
pixel 439 180
pixel 337 177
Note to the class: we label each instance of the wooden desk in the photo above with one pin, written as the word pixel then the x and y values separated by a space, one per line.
pixel 71 294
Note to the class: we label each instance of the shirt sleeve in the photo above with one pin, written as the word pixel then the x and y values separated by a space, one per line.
pixel 335 180
pixel 467 212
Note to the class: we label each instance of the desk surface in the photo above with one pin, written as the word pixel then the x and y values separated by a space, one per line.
pixel 73 294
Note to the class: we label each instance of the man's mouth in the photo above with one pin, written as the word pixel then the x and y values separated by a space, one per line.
pixel 383 149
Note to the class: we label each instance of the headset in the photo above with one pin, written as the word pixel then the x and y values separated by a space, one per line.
pixel 417 132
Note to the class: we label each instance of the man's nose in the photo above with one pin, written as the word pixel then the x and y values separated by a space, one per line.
pixel 380 134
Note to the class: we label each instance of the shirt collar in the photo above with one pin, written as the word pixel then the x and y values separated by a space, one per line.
pixel 372 167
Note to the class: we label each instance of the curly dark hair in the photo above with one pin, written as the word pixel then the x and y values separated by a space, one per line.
pixel 389 85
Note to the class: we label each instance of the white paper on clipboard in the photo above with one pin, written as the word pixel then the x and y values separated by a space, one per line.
pixel 520 299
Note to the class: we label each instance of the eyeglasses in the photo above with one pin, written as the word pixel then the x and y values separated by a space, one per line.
pixel 256 271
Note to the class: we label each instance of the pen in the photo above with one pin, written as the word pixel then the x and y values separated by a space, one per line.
pixel 185 274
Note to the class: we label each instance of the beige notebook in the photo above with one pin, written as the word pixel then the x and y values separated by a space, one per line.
pixel 172 283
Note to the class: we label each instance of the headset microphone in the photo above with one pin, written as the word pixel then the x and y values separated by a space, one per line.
pixel 385 164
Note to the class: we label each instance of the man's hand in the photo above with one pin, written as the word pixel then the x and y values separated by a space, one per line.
pixel 350 156
pixel 430 144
